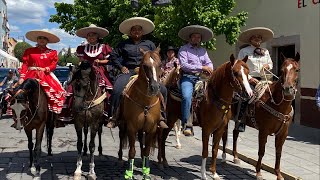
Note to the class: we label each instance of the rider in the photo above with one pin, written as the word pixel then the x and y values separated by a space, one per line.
pixel 193 60
pixel 170 62
pixel 258 58
pixel 38 63
pixel 8 81
pixel 127 57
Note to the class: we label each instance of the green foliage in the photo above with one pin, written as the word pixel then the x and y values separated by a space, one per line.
pixel 20 48
pixel 67 58
pixel 168 20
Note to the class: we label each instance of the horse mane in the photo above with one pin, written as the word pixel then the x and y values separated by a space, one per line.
pixel 29 84
pixel 170 77
pixel 217 76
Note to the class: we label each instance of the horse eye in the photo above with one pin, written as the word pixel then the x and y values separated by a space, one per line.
pixel 297 70
pixel 235 73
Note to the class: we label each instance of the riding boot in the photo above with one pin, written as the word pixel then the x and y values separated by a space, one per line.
pixel 163 120
pixel 113 120
pixel 187 131
pixel 241 120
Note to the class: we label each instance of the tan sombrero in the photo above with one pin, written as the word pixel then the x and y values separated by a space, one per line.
pixel 266 34
pixel 83 32
pixel 205 32
pixel 34 34
pixel 146 24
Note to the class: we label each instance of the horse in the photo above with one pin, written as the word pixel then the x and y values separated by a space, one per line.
pixel 30 109
pixel 87 109
pixel 139 112
pixel 273 114
pixel 212 112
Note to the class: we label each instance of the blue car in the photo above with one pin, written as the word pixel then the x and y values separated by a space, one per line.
pixel 62 73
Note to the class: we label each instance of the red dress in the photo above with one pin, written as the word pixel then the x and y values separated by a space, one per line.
pixel 44 58
pixel 91 53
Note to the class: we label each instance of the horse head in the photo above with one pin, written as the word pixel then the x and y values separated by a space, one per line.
pixel 289 75
pixel 82 80
pixel 239 75
pixel 150 70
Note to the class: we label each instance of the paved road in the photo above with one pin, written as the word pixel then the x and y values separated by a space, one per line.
pixel 184 163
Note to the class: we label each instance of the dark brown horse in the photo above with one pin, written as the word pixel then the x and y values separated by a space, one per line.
pixel 87 111
pixel 30 109
pixel 140 112
pixel 273 114
pixel 213 110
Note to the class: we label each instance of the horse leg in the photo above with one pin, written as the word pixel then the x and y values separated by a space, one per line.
pixel 132 153
pixel 99 134
pixel 236 159
pixel 78 172
pixel 93 131
pixel 30 146
pixel 121 144
pixel 140 138
pixel 262 143
pixel 37 148
pixel 85 132
pixel 149 137
pixel 224 144
pixel 205 141
pixel 215 141
pixel 279 141
pixel 50 131
pixel 177 130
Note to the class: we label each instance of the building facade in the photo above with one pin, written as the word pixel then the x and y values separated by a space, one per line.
pixel 11 45
pixel 296 27
pixel 4 31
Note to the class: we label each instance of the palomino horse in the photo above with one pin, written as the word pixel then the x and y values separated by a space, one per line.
pixel 30 108
pixel 213 111
pixel 273 114
pixel 140 112
pixel 87 111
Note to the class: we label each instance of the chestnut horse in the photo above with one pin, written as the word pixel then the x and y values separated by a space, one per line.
pixel 273 114
pixel 30 109
pixel 87 111
pixel 140 112
pixel 213 110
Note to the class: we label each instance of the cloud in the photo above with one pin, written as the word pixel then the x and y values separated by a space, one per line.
pixel 66 39
pixel 14 28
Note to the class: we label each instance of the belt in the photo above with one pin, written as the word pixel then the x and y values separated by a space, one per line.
pixel 191 73
pixel 33 68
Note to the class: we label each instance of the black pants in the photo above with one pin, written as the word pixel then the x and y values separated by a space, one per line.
pixel 118 87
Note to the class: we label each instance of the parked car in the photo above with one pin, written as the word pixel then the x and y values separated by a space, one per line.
pixel 62 73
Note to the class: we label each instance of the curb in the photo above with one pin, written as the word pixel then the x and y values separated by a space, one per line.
pixel 264 166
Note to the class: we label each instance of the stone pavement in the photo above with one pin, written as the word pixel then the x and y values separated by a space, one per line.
pixel 300 153
pixel 184 163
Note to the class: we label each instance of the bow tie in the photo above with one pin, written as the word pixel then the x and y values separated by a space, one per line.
pixel 259 52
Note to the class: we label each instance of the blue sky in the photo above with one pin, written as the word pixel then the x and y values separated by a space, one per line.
pixel 25 15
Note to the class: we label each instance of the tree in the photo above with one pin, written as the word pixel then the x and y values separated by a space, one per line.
pixel 67 57
pixel 168 20
pixel 20 48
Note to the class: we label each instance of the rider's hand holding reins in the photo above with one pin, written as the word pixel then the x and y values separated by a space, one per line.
pixel 207 69
pixel 124 70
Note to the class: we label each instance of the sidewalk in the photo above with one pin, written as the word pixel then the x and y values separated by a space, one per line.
pixel 300 153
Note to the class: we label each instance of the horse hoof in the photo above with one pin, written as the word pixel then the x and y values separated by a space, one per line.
pixel 146 177
pixel 259 177
pixel 92 177
pixel 160 166
pixel 33 170
pixel 77 176
pixel 216 176
pixel 224 158
pixel 236 161
pixel 36 178
pixel 165 164
pixel 178 146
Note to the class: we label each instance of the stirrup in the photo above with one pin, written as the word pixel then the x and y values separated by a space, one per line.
pixel 163 125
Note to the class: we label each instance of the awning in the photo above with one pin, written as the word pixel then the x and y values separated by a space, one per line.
pixel 8 56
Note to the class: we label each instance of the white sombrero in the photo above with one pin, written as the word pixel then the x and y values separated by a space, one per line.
pixel 266 34
pixel 34 34
pixel 206 33
pixel 146 24
pixel 83 32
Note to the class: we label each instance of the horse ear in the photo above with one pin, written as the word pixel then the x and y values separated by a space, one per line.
pixel 158 49
pixel 232 59
pixel 283 56
pixel 143 51
pixel 297 57
pixel 245 59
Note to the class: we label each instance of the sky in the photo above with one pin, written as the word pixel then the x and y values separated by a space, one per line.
pixel 26 15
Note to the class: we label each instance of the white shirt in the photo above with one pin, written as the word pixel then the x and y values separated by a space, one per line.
pixel 255 62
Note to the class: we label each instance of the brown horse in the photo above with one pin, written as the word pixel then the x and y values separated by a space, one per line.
pixel 273 114
pixel 140 112
pixel 87 111
pixel 30 109
pixel 212 111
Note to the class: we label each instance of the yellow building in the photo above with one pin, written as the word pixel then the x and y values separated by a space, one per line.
pixel 296 27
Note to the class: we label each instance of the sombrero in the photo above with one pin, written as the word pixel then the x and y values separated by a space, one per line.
pixel 146 24
pixel 34 34
pixel 266 34
pixel 205 32
pixel 83 32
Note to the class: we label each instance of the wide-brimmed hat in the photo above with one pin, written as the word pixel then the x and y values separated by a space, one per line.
pixel 206 33
pixel 83 32
pixel 34 34
pixel 171 48
pixel 266 33
pixel 146 24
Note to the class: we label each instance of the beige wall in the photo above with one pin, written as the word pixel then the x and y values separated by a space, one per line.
pixel 285 19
